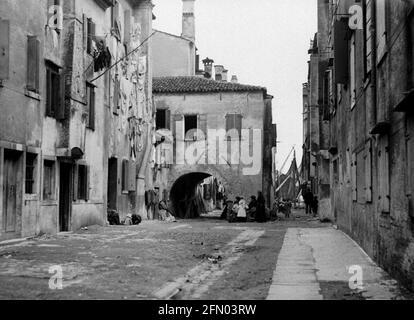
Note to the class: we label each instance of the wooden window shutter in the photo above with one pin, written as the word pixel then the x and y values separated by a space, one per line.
pixel 381 29
pixel 239 123
pixel 60 110
pixel 384 176
pixel 368 172
pixel 179 127
pixel 341 51
pixel 33 61
pixel 91 104
pixel 4 49
pixel 127 27
pixel 125 167
pixel 229 122
pixel 354 177
pixel 168 119
pixel 202 126
pixel 87 182
pixel 75 182
pixel 367 34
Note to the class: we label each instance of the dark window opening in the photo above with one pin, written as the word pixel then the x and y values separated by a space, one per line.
pixel 125 164
pixel 90 93
pixel 90 29
pixel 30 173
pixel 191 124
pixel 55 93
pixel 82 182
pixel 48 180
pixel 161 119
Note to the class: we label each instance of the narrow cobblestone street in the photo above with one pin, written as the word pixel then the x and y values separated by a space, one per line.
pixel 299 258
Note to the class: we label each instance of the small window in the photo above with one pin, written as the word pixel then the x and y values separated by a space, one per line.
pixel 125 173
pixel 233 122
pixel 30 173
pixel 90 93
pixel 48 180
pixel 33 56
pixel 82 182
pixel 191 125
pixel 163 119
pixel 54 92
pixel 90 29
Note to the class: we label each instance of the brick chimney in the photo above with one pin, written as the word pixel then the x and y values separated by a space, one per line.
pixel 234 79
pixel 188 20
pixel 208 68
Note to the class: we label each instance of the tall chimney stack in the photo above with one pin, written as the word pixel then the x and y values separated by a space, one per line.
pixel 208 68
pixel 188 31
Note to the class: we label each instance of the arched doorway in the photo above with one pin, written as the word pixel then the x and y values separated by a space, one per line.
pixel 184 196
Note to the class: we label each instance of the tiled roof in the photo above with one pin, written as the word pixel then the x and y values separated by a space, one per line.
pixel 198 85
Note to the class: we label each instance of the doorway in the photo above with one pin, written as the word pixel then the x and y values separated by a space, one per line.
pixel 65 196
pixel 112 183
pixel 11 191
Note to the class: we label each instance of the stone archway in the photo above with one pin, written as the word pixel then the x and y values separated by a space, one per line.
pixel 184 200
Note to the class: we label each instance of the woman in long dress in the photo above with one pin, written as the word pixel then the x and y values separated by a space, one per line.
pixel 261 208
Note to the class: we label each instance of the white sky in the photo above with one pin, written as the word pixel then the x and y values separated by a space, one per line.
pixel 263 42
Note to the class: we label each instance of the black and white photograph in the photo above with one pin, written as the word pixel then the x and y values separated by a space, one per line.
pixel 227 154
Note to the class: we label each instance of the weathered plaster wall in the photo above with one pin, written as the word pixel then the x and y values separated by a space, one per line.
pixel 172 55
pixel 387 236
pixel 215 106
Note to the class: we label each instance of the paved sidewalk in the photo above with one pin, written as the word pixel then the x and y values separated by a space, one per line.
pixel 318 263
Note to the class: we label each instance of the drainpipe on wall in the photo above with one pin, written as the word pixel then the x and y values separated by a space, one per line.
pixel 373 109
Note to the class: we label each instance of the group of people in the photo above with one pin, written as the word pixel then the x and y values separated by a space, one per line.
pixel 241 211
pixel 311 202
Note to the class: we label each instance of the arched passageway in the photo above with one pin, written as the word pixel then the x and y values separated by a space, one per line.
pixel 186 202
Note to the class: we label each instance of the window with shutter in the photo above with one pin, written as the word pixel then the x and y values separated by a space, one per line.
pixel 125 167
pixel 31 160
pixel 368 172
pixel 90 91
pixel 381 29
pixel 4 48
pixel 54 92
pixel 384 175
pixel 202 127
pixel 91 32
pixel 352 78
pixel 354 177
pixel 83 182
pixel 341 51
pixel 191 126
pixel 33 62
pixel 127 26
pixel 367 8
pixel 48 180
pixel 233 124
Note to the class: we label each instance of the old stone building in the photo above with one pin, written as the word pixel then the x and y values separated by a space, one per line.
pixel 361 84
pixel 212 128
pixel 220 129
pixel 73 125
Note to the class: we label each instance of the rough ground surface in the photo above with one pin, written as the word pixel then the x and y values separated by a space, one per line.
pixel 200 259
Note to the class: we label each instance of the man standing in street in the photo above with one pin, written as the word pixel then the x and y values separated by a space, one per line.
pixel 308 198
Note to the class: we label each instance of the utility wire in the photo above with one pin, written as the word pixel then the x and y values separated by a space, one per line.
pixel 116 63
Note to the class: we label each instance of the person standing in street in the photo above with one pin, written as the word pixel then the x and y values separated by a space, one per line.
pixel 308 198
